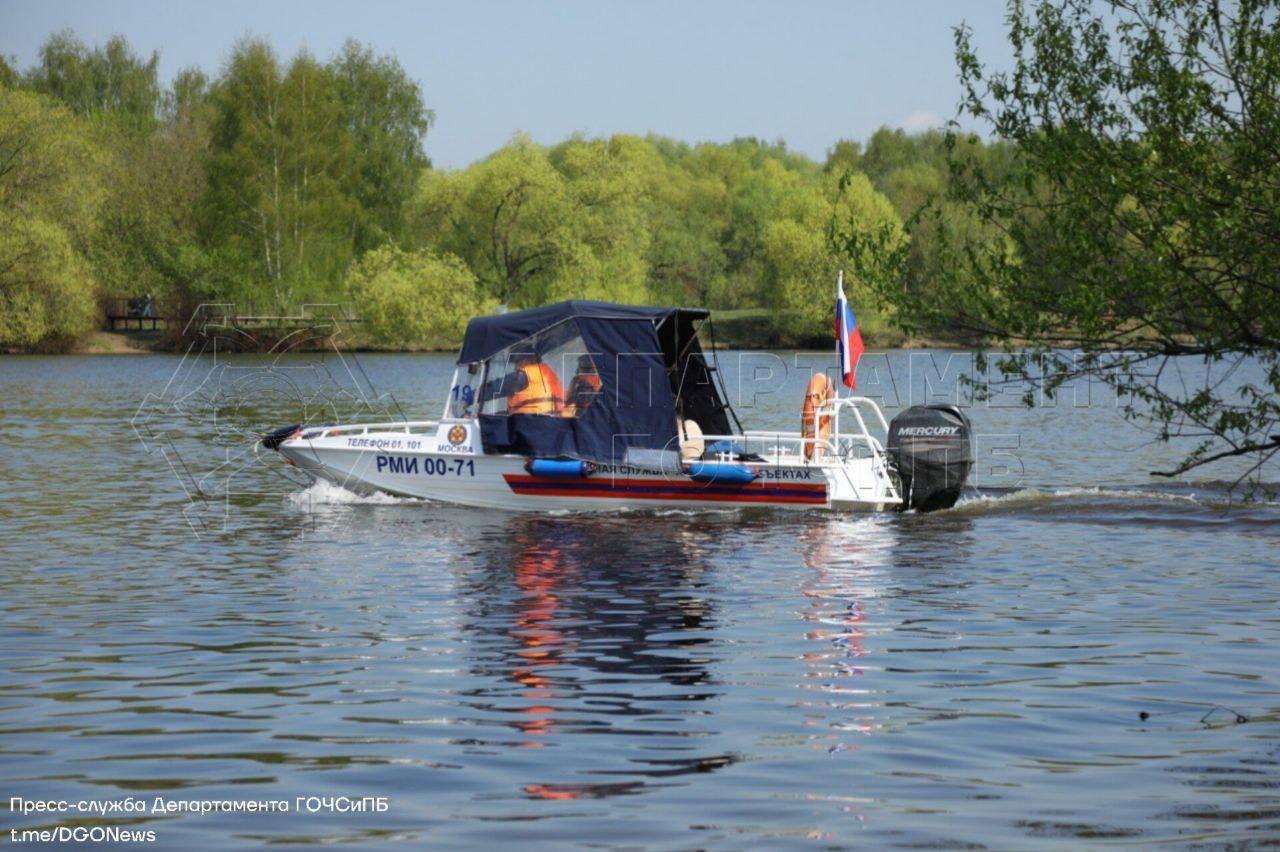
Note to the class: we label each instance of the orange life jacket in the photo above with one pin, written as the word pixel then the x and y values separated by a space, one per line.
pixel 542 393
pixel 583 388
pixel 817 395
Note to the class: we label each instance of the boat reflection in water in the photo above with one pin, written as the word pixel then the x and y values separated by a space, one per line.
pixel 579 628
pixel 847 562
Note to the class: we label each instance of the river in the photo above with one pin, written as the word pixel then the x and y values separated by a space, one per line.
pixel 1078 655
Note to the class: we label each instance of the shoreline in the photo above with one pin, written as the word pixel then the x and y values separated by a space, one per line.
pixel 103 342
pixel 126 343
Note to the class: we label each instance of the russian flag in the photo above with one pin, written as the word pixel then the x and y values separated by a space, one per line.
pixel 848 337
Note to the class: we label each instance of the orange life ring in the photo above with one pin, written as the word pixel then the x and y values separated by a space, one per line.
pixel 816 396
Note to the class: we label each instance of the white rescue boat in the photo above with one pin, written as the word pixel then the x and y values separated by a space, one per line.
pixel 643 423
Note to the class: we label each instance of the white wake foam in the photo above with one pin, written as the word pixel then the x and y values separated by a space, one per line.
pixel 1209 498
pixel 325 493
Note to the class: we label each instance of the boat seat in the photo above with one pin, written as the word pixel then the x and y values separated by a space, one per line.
pixel 691 444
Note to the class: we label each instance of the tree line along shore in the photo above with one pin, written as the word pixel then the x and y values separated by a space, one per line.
pixel 276 183
pixel 1122 228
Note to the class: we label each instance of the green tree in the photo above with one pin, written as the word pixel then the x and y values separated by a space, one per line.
pixel 155 181
pixel 758 179
pixel 688 219
pixel 107 80
pixel 608 182
pixel 755 200
pixel 49 197
pixel 415 298
pixel 891 149
pixel 911 170
pixel 687 263
pixel 844 156
pixel 120 94
pixel 802 261
pixel 536 226
pixel 506 217
pixel 8 74
pixel 383 112
pixel 1137 219
pixel 176 157
pixel 276 174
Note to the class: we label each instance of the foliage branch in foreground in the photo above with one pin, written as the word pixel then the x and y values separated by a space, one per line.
pixel 1133 237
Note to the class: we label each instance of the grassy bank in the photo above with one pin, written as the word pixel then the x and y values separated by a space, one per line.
pixel 118 343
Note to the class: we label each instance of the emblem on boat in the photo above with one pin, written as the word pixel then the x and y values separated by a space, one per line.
pixel 458 434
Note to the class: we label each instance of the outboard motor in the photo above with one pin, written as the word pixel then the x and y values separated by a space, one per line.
pixel 931 450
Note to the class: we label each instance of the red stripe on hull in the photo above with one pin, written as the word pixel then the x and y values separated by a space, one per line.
pixel 662 489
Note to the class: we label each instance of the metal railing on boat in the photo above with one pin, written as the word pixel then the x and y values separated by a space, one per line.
pixel 404 427
pixel 833 453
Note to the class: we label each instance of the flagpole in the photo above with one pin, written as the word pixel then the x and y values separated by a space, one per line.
pixel 839 364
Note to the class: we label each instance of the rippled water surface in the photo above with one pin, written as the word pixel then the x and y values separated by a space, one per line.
pixel 1055 667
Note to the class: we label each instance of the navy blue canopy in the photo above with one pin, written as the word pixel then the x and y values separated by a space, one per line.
pixel 486 336
pixel 648 362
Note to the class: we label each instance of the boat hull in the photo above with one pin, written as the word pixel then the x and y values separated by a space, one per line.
pixel 502 481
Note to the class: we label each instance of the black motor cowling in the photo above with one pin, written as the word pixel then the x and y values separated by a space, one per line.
pixel 931 450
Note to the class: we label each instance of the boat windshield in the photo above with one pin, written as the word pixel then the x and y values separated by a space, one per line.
pixel 589 380
pixel 550 374
pixel 461 404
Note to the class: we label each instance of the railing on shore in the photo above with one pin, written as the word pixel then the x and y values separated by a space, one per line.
pixel 129 311
pixel 229 315
pixel 148 313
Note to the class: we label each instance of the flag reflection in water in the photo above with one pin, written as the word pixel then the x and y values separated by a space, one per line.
pixel 847 558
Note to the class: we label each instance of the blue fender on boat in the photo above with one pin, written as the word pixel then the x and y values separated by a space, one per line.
pixel 558 468
pixel 722 473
